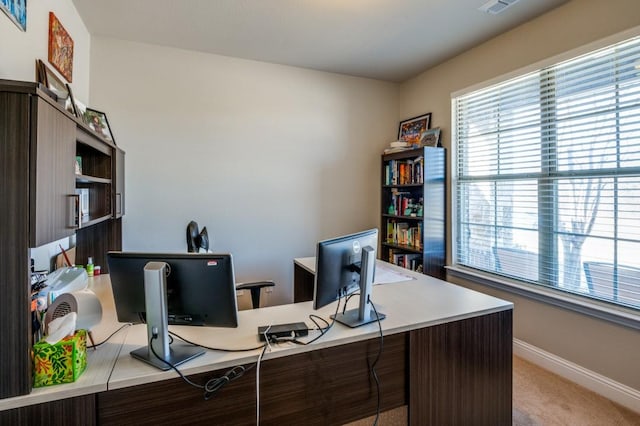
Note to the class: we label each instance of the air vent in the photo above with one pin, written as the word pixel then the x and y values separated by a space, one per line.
pixel 493 7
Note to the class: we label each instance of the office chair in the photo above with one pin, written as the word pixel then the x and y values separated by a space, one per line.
pixel 196 239
pixel 199 240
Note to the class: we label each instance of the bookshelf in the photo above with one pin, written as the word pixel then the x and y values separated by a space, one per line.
pixel 413 209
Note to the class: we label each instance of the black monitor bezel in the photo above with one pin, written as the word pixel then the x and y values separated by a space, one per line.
pixel 327 288
pixel 217 300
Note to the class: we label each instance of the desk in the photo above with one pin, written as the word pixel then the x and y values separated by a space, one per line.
pixel 447 355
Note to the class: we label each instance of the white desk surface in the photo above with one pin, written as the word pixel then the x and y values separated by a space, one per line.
pixel 308 263
pixel 100 361
pixel 412 304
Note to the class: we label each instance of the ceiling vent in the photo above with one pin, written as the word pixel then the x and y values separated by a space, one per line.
pixel 493 7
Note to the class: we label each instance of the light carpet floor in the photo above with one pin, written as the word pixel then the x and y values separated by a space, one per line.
pixel 542 398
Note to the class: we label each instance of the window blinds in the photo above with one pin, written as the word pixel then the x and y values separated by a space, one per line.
pixel 547 179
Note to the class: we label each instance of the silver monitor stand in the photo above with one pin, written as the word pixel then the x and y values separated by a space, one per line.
pixel 363 314
pixel 155 300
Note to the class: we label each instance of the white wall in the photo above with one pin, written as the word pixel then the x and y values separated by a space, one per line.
pixel 270 158
pixel 600 346
pixel 19 50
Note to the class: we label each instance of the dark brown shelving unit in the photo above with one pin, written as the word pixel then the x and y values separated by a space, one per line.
pixel 39 141
pixel 412 209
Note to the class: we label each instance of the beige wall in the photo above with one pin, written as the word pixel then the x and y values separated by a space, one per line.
pixel 270 158
pixel 19 50
pixel 597 345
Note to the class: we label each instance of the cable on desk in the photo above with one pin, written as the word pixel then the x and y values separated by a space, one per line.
pixel 214 384
pixel 267 345
pixel 357 293
pixel 312 317
pixel 171 333
pixel 373 366
pixel 110 336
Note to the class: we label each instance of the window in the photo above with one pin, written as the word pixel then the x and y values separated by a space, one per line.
pixel 547 180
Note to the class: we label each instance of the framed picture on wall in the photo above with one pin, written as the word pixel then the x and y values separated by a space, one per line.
pixel 98 122
pixel 411 129
pixel 60 48
pixel 16 10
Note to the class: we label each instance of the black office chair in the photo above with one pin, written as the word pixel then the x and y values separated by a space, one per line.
pixel 199 240
pixel 196 239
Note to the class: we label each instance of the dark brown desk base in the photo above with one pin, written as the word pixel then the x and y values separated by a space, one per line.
pixel 302 284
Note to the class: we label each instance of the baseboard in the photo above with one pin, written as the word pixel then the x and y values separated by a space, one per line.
pixel 610 389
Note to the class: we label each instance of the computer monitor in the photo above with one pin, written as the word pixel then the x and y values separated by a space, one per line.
pixel 345 265
pixel 172 288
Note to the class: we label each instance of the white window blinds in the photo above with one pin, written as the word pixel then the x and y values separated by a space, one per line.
pixel 547 179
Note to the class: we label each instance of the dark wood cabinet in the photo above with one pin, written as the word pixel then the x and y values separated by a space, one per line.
pixel 15 115
pixel 39 142
pixel 51 170
pixel 413 210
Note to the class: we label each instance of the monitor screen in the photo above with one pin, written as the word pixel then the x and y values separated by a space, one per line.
pixel 338 262
pixel 200 287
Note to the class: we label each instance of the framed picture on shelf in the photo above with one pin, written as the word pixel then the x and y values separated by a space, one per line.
pixel 41 74
pixel 60 48
pixel 72 102
pixel 97 121
pixel 55 86
pixel 16 10
pixel 430 137
pixel 81 110
pixel 411 129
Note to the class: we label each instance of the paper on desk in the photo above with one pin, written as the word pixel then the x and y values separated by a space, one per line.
pixel 386 275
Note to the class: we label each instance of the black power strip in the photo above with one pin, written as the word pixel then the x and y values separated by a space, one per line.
pixel 291 330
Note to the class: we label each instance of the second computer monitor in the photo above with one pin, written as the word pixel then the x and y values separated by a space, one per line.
pixel 338 266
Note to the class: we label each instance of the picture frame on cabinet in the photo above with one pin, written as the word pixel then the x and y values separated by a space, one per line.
pixel 97 121
pixel 430 137
pixel 411 130
pixel 41 75
pixel 72 107
pixel 16 11
pixel 81 110
pixel 53 84
pixel 60 48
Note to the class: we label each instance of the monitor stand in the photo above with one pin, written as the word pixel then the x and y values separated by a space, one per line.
pixel 364 314
pixel 155 300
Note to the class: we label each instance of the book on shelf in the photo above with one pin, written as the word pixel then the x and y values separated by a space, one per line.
pixel 406 260
pixel 402 233
pixel 398 146
pixel 404 172
pixel 403 203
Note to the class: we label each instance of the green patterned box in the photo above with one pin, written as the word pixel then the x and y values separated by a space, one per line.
pixel 62 362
